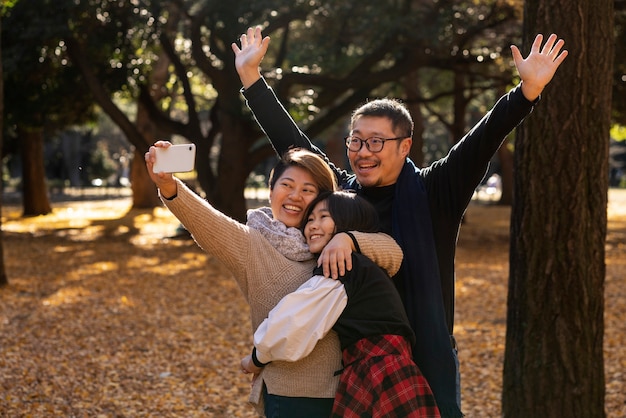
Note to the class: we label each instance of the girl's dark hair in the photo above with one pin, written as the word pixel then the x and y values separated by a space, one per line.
pixel 349 211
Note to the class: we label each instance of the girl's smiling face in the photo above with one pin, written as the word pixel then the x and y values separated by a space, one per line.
pixel 319 228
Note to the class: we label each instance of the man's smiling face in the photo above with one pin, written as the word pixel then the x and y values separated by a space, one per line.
pixel 380 168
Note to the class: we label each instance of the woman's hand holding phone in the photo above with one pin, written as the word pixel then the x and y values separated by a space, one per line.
pixel 163 180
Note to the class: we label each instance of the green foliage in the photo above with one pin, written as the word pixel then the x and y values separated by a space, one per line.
pixel 39 89
pixel 618 132
pixel 325 59
pixel 6 5
pixel 339 54
pixel 119 38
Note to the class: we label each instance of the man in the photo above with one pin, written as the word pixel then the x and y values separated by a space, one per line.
pixel 421 208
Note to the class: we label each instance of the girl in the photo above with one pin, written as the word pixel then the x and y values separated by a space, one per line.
pixel 379 377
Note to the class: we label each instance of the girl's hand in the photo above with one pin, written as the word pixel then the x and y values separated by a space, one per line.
pixel 248 366
pixel 336 257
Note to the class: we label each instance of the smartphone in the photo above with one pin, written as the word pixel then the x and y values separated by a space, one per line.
pixel 175 159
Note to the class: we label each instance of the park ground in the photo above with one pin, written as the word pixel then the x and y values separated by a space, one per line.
pixel 105 316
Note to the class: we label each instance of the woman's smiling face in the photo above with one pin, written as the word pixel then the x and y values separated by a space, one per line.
pixel 291 195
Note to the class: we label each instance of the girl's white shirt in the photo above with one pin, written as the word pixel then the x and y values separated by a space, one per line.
pixel 302 318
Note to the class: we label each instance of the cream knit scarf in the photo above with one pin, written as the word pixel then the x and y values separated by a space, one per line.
pixel 289 241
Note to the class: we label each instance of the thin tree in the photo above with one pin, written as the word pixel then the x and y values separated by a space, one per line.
pixel 553 363
pixel 3 274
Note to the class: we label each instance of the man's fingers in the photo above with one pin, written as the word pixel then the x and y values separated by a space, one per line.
pixel 537 43
pixel 547 48
pixel 560 58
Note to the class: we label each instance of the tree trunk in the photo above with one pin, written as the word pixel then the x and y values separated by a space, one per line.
pixel 336 147
pixel 458 126
pixel 553 363
pixel 34 190
pixel 71 142
pixel 233 164
pixel 4 280
pixel 506 170
pixel 411 83
pixel 145 195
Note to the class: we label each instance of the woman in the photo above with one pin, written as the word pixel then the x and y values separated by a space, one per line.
pixel 265 275
pixel 379 378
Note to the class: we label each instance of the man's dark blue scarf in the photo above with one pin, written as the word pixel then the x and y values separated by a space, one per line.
pixel 412 229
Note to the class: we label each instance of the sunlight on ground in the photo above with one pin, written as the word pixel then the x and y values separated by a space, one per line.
pixel 90 217
pixel 66 295
pixel 64 216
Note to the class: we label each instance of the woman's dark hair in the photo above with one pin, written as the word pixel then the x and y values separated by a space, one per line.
pixel 349 211
pixel 321 172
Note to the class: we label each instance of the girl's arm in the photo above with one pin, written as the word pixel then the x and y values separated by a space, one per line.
pixel 379 247
pixel 301 318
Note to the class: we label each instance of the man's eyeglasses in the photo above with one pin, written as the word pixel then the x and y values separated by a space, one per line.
pixel 373 143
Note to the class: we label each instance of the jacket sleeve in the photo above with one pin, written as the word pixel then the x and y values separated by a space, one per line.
pixel 273 118
pixel 452 180
pixel 278 125
pixel 301 318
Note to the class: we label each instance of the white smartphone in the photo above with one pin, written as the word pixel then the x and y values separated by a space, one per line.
pixel 175 159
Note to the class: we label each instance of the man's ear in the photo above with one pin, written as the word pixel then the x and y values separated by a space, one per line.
pixel 406 146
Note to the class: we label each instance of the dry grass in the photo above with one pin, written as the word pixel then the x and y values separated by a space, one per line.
pixel 105 318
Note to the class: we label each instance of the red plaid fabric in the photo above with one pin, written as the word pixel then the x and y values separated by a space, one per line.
pixel 380 379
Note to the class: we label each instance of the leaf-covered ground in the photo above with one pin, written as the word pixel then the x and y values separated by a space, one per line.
pixel 103 317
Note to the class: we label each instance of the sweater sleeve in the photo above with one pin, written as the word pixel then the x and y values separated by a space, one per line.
pixel 381 249
pixel 301 318
pixel 208 226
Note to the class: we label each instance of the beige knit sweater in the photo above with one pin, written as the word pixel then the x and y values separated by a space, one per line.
pixel 264 277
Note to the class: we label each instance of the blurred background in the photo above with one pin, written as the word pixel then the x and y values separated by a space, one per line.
pixel 90 84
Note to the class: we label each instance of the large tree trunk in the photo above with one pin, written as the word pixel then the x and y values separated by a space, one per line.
pixel 553 359
pixel 34 190
pixel 505 155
